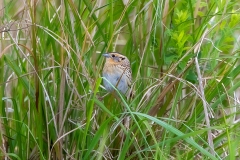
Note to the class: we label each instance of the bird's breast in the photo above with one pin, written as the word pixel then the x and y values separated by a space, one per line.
pixel 117 78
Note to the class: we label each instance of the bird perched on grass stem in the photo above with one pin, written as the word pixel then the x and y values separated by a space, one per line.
pixel 117 71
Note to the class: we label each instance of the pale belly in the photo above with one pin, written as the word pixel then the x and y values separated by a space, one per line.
pixel 121 84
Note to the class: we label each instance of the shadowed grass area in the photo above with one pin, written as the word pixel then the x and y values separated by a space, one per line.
pixel 184 58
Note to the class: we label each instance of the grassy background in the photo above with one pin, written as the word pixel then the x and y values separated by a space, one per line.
pixel 184 57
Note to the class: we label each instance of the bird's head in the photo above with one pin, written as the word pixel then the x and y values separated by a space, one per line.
pixel 115 58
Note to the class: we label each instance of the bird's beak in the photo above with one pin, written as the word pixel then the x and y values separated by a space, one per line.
pixel 106 55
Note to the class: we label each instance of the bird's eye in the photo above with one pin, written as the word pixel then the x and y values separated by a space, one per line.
pixel 123 58
pixel 113 55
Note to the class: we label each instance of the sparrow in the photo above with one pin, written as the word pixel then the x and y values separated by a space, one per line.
pixel 117 71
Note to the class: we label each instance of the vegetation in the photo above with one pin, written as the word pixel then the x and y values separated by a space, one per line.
pixel 184 57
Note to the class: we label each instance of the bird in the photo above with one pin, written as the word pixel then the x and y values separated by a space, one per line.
pixel 117 71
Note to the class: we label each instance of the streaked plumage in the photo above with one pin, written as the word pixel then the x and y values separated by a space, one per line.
pixel 117 71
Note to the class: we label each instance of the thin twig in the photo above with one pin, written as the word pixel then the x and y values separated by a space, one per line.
pixel 210 138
